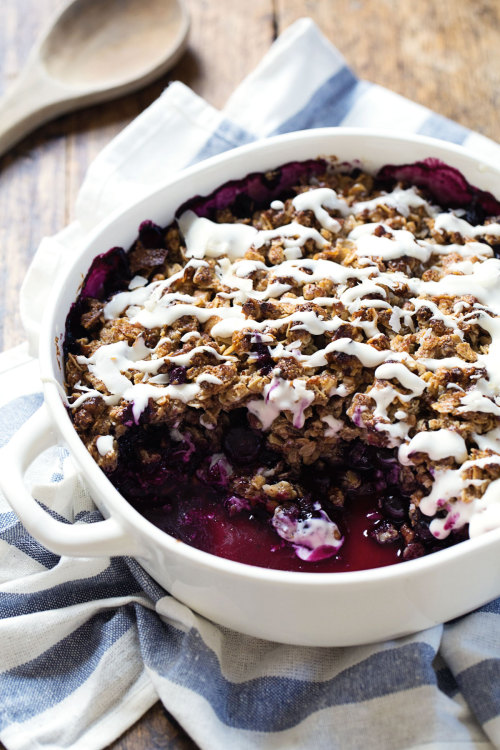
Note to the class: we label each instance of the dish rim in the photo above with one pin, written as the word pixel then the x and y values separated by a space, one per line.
pixel 115 503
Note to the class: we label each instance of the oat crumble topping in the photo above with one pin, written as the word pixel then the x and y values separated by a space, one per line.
pixel 342 331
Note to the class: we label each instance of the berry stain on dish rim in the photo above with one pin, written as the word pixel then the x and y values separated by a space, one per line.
pixel 295 374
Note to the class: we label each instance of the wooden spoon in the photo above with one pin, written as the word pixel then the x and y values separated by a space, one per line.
pixel 92 51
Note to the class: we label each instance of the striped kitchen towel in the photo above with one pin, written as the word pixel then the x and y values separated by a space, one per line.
pixel 86 645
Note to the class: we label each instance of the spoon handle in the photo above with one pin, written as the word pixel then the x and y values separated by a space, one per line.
pixel 31 101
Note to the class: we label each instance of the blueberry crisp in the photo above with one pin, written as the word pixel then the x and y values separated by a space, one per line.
pixel 302 371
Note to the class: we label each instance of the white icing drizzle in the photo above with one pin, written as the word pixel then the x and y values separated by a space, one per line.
pixel 402 200
pixel 219 459
pixel 277 205
pixel 159 379
pixel 104 444
pixel 110 361
pixel 292 253
pixel 282 395
pixel 437 444
pixel 450 482
pixel 384 396
pixel 293 234
pixel 145 295
pixel 394 244
pixel 367 355
pixel 206 239
pixel 408 379
pixel 190 335
pixel 205 423
pixel 489 440
pixel 136 282
pixel 90 393
pixel 476 275
pixel 334 425
pixel 185 359
pixel 395 319
pixel 208 377
pixel 449 222
pixel 485 515
pixel 482 282
pixel 437 314
pixel 471 249
pixel 448 485
pixel 318 201
pixel 474 400
pixel 308 535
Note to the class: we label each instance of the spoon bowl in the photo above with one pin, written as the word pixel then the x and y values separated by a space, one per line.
pixel 93 51
pixel 100 45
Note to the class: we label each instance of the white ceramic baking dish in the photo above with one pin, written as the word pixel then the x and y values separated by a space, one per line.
pixel 317 609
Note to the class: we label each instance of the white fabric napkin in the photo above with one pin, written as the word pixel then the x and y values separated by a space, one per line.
pixel 86 646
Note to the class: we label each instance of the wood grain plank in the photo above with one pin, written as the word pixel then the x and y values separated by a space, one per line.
pixel 444 54
pixel 227 41
pixel 40 178
pixel 225 45
pixel 32 176
pixel 156 730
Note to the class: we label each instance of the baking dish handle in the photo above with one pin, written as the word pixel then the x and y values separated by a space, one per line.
pixel 104 538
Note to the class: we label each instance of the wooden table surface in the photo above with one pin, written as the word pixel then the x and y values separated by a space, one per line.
pixel 445 55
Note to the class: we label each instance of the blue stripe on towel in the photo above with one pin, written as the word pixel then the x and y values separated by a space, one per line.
pixel 252 705
pixel 13 532
pixel 438 126
pixel 114 581
pixel 41 683
pixel 15 413
pixel 7 520
pixel 446 682
pixel 329 104
pixel 492 607
pixel 480 685
pixel 152 589
pixel 227 136
pixel 89 516
pixel 408 670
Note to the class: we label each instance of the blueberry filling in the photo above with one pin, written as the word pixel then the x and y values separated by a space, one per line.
pixel 177 375
pixel 444 184
pixel 190 490
pixel 151 235
pixel 242 481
